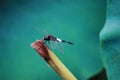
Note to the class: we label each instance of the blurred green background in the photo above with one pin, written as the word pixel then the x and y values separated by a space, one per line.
pixel 77 21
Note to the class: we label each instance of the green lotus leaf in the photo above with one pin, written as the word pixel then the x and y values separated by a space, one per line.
pixel 110 40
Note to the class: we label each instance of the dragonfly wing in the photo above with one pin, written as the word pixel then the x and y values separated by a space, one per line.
pixel 56 45
pixel 52 44
pixel 59 47
pixel 42 31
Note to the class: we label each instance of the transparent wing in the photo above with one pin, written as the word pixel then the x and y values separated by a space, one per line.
pixel 42 31
pixel 56 45
pixel 53 44
pixel 60 47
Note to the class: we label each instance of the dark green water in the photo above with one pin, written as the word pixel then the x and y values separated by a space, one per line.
pixel 73 20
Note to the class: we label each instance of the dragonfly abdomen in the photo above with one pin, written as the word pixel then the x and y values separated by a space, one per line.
pixel 67 42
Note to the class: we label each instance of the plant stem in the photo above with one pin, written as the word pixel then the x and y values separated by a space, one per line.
pixel 53 60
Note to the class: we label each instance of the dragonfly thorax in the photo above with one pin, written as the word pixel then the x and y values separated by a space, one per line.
pixel 46 38
pixel 49 38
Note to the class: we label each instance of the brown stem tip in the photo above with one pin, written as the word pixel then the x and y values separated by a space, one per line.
pixel 41 48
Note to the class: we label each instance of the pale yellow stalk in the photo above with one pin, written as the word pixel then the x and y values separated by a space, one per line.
pixel 59 67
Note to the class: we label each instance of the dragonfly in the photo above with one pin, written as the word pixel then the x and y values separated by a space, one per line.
pixel 53 38
pixel 54 41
